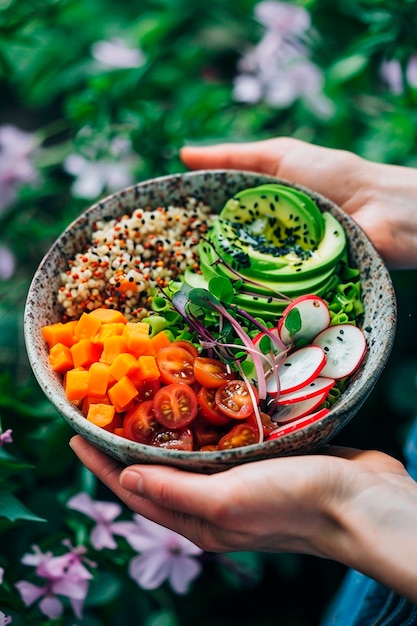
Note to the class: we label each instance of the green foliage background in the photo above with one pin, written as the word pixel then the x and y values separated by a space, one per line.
pixel 50 85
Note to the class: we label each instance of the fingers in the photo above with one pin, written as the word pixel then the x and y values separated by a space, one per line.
pixel 170 497
pixel 255 156
pixel 290 159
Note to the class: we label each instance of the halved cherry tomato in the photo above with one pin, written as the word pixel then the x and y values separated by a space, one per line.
pixel 139 423
pixel 267 424
pixel 234 399
pixel 209 410
pixel 241 435
pixel 174 439
pixel 205 434
pixel 175 365
pixel 211 372
pixel 186 345
pixel 175 405
pixel 147 389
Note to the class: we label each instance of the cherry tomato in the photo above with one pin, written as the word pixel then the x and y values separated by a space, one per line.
pixel 139 423
pixel 267 424
pixel 186 345
pixel 174 439
pixel 175 365
pixel 234 400
pixel 175 405
pixel 211 372
pixel 147 389
pixel 241 435
pixel 209 410
pixel 205 434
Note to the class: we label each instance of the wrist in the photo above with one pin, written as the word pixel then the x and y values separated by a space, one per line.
pixel 375 527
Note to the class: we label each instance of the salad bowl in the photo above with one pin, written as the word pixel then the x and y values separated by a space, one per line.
pixel 214 187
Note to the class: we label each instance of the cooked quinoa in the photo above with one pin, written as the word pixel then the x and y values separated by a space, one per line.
pixel 130 257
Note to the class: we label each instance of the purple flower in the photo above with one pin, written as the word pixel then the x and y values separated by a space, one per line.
pixel 93 176
pixel 392 74
pixel 104 514
pixel 7 263
pixel 5 619
pixel 164 555
pixel 278 69
pixel 64 575
pixel 16 168
pixel 283 19
pixel 116 54
pixel 5 437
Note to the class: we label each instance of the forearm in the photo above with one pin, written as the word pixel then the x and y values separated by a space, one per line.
pixel 377 531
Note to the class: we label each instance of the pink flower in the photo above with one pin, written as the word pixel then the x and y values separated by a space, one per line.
pixel 16 168
pixel 104 514
pixel 64 575
pixel 6 437
pixel 5 619
pixel 164 555
pixel 116 54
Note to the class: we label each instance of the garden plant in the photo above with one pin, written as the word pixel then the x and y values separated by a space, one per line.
pixel 96 95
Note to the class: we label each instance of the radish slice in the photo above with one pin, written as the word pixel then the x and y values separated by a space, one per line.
pixel 276 348
pixel 298 424
pixel 290 412
pixel 299 369
pixel 312 314
pixel 319 385
pixel 344 346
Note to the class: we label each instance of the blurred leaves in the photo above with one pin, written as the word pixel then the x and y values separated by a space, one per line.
pixel 52 85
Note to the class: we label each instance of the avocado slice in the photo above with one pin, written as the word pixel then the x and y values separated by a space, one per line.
pixel 276 214
pixel 239 254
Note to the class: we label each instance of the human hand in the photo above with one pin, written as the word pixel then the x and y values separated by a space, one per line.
pixel 359 508
pixel 381 198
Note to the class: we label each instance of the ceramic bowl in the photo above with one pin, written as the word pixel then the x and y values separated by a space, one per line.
pixel 214 187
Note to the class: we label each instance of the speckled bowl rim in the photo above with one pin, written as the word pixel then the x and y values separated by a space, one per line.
pixel 305 440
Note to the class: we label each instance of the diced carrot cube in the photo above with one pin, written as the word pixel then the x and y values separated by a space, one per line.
pixel 85 352
pixel 87 327
pixel 90 399
pixel 112 346
pixel 60 358
pixel 59 333
pixel 124 364
pixel 160 340
pixel 117 422
pixel 76 384
pixel 98 378
pixel 109 330
pixel 119 431
pixel 108 316
pixel 148 368
pixel 101 414
pixel 122 393
pixel 137 337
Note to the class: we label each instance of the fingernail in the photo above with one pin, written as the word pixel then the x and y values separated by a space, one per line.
pixel 132 481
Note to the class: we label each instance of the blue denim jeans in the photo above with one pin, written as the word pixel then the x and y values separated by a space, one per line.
pixel 363 602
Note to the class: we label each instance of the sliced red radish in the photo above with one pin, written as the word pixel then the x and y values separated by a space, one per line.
pixel 298 424
pixel 275 347
pixel 311 313
pixel 299 368
pixel 344 346
pixel 320 385
pixel 290 412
